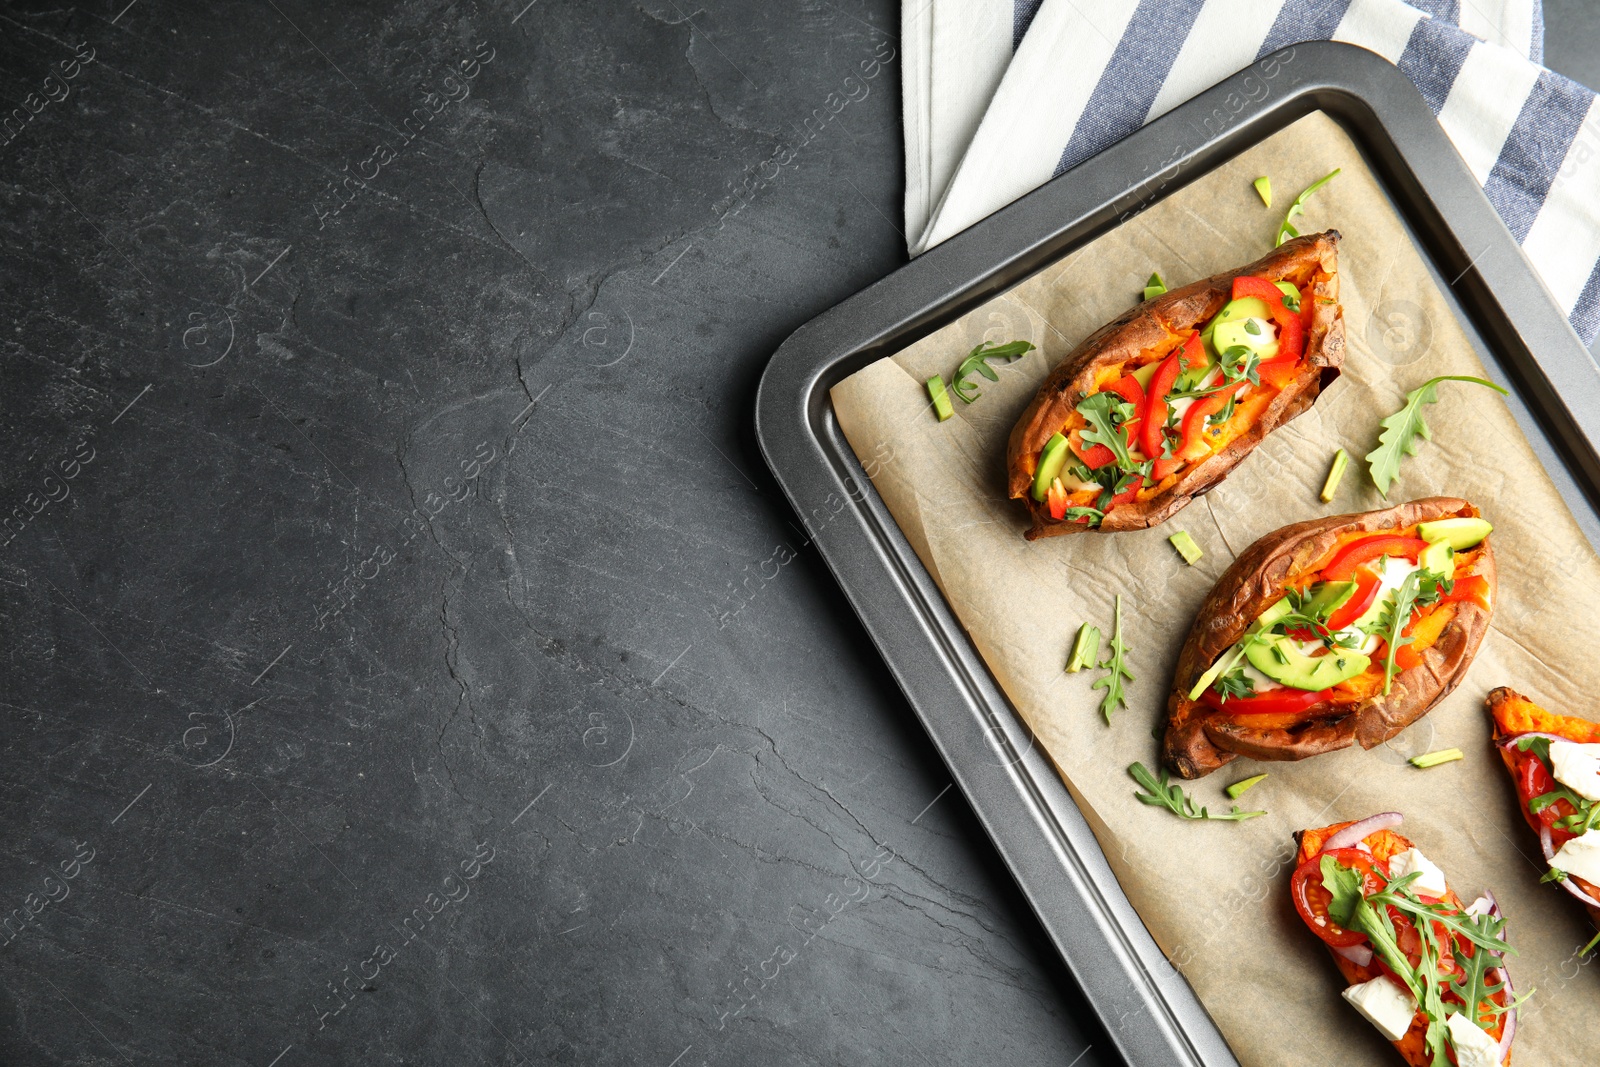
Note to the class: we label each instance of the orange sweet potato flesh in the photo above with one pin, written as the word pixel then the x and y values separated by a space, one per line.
pixel 1515 714
pixel 1159 325
pixel 1199 739
pixel 1384 844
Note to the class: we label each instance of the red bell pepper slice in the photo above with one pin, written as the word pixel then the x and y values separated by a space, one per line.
pixel 1129 389
pixel 1291 330
pixel 1126 497
pixel 1347 559
pixel 1163 467
pixel 1474 587
pixel 1367 585
pixel 1056 498
pixel 1272 702
pixel 1153 420
pixel 1194 420
pixel 1278 372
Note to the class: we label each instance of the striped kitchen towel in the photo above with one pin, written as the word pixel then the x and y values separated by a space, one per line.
pixel 1531 137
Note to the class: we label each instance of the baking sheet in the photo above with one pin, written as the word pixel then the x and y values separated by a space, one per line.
pixel 1214 894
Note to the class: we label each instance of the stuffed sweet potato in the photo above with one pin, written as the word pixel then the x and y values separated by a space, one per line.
pixel 1157 407
pixel 1330 632
pixel 1555 762
pixel 1411 954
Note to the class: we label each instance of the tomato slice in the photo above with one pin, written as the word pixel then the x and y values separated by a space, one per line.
pixel 1275 701
pixel 1347 559
pixel 1534 780
pixel 1311 898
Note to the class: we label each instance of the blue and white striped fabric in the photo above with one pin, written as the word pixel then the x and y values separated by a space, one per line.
pixel 1084 75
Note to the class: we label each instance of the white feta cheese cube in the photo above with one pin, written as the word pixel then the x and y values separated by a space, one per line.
pixel 1384 1003
pixel 1580 856
pixel 1432 881
pixel 1474 1047
pixel 1577 767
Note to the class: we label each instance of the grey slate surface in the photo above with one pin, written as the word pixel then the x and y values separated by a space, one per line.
pixel 408 658
pixel 323 709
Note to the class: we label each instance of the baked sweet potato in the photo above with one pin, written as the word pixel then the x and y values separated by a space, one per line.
pixel 1167 348
pixel 1372 856
pixel 1518 719
pixel 1207 726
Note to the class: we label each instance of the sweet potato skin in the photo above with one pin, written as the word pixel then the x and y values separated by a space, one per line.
pixel 1146 326
pixel 1198 739
pixel 1515 714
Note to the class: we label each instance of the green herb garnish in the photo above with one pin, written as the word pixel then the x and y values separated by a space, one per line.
pixel 1286 229
pixel 1433 759
pixel 1106 414
pixel 978 360
pixel 1419 589
pixel 1401 430
pixel 1160 793
pixel 1094 515
pixel 1116 663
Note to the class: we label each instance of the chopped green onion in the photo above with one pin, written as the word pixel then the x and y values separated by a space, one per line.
pixel 1263 186
pixel 1085 650
pixel 1154 287
pixel 1341 460
pixel 1186 547
pixel 941 399
pixel 1433 759
pixel 1238 789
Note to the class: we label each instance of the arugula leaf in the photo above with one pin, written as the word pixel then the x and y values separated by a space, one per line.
pixel 1401 430
pixel 1419 589
pixel 978 359
pixel 1106 413
pixel 1344 885
pixel 1235 684
pixel 1094 515
pixel 1116 663
pixel 1172 797
pixel 1286 228
pixel 1539 746
pixel 1472 985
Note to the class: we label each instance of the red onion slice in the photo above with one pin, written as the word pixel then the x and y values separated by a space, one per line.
pixel 1509 1030
pixel 1565 883
pixel 1352 834
pixel 1358 954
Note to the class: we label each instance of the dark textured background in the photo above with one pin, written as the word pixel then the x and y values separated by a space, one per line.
pixel 406 575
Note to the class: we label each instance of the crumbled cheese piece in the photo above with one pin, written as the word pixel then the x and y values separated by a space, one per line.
pixel 1432 881
pixel 1474 1047
pixel 1580 856
pixel 1577 767
pixel 1384 1003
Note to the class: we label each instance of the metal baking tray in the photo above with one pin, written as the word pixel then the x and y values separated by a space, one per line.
pixel 1151 1014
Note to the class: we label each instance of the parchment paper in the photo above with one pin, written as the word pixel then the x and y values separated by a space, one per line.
pixel 1214 894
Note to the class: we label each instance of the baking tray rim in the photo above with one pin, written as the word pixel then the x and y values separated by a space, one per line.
pixel 1148 1010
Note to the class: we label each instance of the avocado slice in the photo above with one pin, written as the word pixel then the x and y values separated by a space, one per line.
pixel 1237 332
pixel 1439 558
pixel 1279 659
pixel 1459 534
pixel 1051 460
pixel 1227 659
pixel 1328 598
pixel 1145 373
